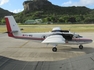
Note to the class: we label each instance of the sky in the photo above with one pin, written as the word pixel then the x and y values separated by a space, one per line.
pixel 17 5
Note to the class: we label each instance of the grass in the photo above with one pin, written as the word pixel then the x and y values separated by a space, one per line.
pixel 46 28
pixel 2 28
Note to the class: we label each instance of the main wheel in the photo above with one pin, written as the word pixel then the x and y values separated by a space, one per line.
pixel 54 49
pixel 80 46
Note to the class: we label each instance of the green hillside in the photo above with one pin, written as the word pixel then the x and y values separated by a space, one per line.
pixel 49 13
pixel 4 13
pixel 58 15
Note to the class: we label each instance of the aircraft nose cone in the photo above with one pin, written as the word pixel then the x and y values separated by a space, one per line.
pixel 90 40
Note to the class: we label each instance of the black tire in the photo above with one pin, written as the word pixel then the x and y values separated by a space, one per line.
pixel 54 49
pixel 80 46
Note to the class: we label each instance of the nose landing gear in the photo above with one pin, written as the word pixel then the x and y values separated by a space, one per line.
pixel 80 46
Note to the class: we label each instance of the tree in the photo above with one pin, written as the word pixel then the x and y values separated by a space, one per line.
pixel 66 18
pixel 2 22
pixel 89 20
pixel 60 20
pixel 72 19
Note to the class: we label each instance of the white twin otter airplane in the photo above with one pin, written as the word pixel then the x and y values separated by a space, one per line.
pixel 55 37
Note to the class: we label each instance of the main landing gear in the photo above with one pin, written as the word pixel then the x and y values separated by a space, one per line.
pixel 80 46
pixel 54 49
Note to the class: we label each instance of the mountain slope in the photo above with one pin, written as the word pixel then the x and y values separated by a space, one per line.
pixel 47 8
pixel 4 13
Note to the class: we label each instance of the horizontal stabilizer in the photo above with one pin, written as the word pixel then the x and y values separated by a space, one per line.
pixel 14 31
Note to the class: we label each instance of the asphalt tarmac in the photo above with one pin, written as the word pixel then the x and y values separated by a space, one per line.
pixel 18 54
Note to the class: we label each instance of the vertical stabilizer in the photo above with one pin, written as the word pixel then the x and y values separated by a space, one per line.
pixel 12 27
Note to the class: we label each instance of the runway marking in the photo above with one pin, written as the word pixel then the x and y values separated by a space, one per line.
pixel 4 62
pixel 91 58
pixel 23 44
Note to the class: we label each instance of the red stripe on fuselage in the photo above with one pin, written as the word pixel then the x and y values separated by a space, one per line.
pixel 29 38
pixel 8 28
pixel 81 39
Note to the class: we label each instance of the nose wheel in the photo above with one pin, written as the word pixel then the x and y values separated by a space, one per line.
pixel 80 46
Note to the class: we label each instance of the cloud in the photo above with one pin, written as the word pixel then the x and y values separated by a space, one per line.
pixel 2 2
pixel 17 10
pixel 67 3
pixel 79 3
pixel 87 2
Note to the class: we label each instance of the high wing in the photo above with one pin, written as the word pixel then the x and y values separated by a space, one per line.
pixel 57 39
